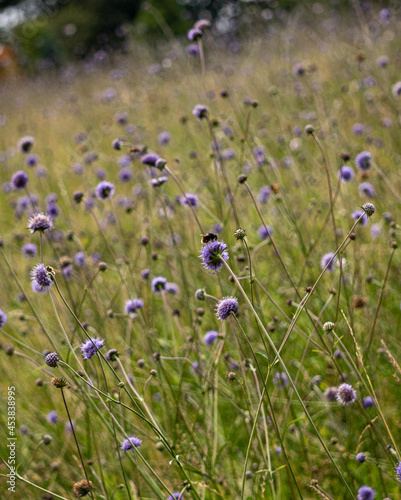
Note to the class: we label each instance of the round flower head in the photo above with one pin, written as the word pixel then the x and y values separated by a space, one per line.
pixel 193 50
pixel 346 174
pixel 346 394
pixel 150 159
pixel 90 347
pixel 366 493
pixel 41 281
pixel 130 443
pixel 194 34
pixel 331 394
pixel 32 160
pixel 363 160
pixel 51 417
pixel 327 257
pixel 398 472
pixel 369 209
pixel 104 190
pixel 200 111
pixel 116 144
pixel 368 402
pixel 164 138
pixel 361 457
pixel 80 259
pixel 265 232
pixel 210 337
pixel 132 305
pixel 3 318
pixel 172 288
pixel 213 254
pixel 51 360
pixel 365 188
pixel 264 194
pixel 19 180
pixel 26 143
pixel 396 89
pixel 189 200
pixel 281 380
pixel 158 285
pixel 355 215
pixel 225 307
pixel 40 222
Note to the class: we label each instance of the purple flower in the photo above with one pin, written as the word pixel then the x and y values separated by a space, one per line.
pixel 213 255
pixel 40 222
pixel 358 129
pixel 363 160
pixel 265 232
pixel 132 305
pixel 32 160
pixel 19 180
pixel 116 144
pixel 90 347
pixel 346 394
pixel 25 144
pixel 150 159
pixel 80 259
pixel 281 380
pixel 365 188
pixel 382 61
pixel 172 288
pixel 357 214
pixel 51 417
pixel 210 337
pixel 361 457
pixel 194 34
pixel 396 89
pixel 29 250
pixel 346 174
pixel 398 472
pixel 193 49
pixel 176 496
pixel 164 138
pixel 101 173
pixel 41 282
pixel 331 394
pixel 3 318
pixel 375 230
pixel 51 359
pixel 158 285
pixel 226 307
pixel 326 259
pixel 189 200
pixel 366 493
pixel 368 402
pixel 131 443
pixel 200 111
pixel 104 190
pixel 53 210
pixel 264 194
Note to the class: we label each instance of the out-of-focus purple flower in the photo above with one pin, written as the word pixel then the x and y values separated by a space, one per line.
pixel 385 14
pixel 194 34
pixel 360 458
pixel 346 394
pixel 116 144
pixel 264 194
pixel 365 188
pixel 150 159
pixel 101 173
pixel 396 89
pixel 355 215
pixel 164 138
pixel 80 259
pixel 172 288
pixel 32 160
pixel 363 160
pixel 265 232
pixel 52 417
pixel 358 129
pixel 25 144
pixel 280 380
pixel 125 174
pixel 158 285
pixel 260 154
pixel 375 230
pixel 331 394
pixel 382 61
pixel 90 347
pixel 228 154
pixel 200 111
pixel 366 493
pixel 346 174
pixel 78 169
pixel 19 180
pixel 132 305
pixel 104 190
pixel 210 337
pixel 29 250
pixel 189 200
pixel 3 318
pixel 193 50
pixel 131 443
pixel 326 258
pixel 368 402
pixel 53 210
pixel 121 117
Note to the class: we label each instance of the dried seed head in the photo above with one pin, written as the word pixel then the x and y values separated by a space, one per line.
pixel 82 488
pixel 59 382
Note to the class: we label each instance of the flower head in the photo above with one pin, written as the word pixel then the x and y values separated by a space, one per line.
pixel 130 443
pixel 365 188
pixel 396 89
pixel 90 347
pixel 361 457
pixel 326 258
pixel 51 360
pixel 150 159
pixel 398 472
pixel 26 143
pixel 158 285
pixel 29 250
pixel 189 200
pixel 3 318
pixel 281 380
pixel 355 215
pixel 265 232
pixel 363 160
pixel 369 209
pixel 346 394
pixel 104 190
pixel 200 111
pixel 368 402
pixel 40 222
pixel 210 337
pixel 82 488
pixel 213 255
pixel 19 180
pixel 51 417
pixel 226 307
pixel 194 34
pixel 132 305
pixel 331 394
pixel 41 280
pixel 366 493
pixel 346 174
pixel 264 194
